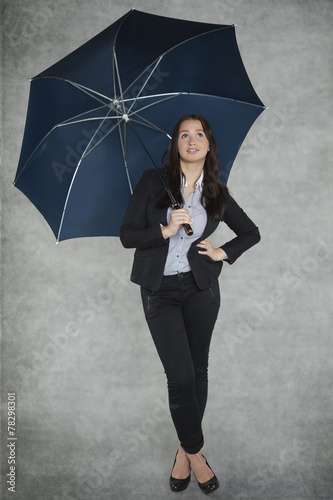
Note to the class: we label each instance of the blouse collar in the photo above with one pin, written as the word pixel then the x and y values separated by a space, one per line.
pixel 198 183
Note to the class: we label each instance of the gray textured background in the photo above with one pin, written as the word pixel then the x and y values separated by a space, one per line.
pixel 92 416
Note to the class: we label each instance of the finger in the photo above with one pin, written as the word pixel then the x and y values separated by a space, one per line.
pixel 182 218
pixel 204 244
pixel 204 253
pixel 182 211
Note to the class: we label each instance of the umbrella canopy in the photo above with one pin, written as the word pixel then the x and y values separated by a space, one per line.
pixel 82 154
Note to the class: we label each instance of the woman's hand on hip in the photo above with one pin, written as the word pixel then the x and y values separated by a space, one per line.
pixel 215 254
pixel 177 218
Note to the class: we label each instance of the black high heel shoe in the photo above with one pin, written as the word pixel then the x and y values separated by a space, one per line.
pixel 210 485
pixel 177 485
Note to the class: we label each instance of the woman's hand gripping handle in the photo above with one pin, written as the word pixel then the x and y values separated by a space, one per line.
pixel 179 217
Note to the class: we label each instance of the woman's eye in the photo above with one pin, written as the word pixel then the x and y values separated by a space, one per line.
pixel 184 136
pixel 200 135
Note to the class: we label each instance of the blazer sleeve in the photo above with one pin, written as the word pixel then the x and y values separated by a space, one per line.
pixel 137 230
pixel 246 231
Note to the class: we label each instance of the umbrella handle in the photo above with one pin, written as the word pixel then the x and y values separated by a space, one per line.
pixel 188 229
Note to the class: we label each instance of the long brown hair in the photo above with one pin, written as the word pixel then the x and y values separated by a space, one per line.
pixel 215 192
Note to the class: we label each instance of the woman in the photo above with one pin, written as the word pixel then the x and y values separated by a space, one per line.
pixel 178 275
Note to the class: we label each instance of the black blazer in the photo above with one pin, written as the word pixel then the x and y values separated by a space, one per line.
pixel 141 229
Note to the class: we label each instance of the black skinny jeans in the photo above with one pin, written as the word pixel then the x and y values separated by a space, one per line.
pixel 181 319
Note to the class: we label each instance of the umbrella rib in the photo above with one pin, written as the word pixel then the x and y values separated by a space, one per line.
pixel 226 99
pixel 63 124
pixel 114 76
pixel 153 95
pixel 92 93
pixel 40 142
pixel 151 125
pixel 118 78
pixel 195 94
pixel 174 47
pixel 147 122
pixel 123 149
pixel 145 83
pixel 67 198
pixel 171 96
pixel 102 139
pixel 82 114
pixel 115 63
pixel 84 154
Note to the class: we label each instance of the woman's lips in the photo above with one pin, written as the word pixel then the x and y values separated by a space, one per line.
pixel 192 151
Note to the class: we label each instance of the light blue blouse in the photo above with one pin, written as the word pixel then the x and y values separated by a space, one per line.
pixel 180 243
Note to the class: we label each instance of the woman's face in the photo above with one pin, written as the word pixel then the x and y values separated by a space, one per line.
pixel 193 144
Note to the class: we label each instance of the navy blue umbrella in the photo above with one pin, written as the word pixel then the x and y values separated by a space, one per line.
pixel 93 116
